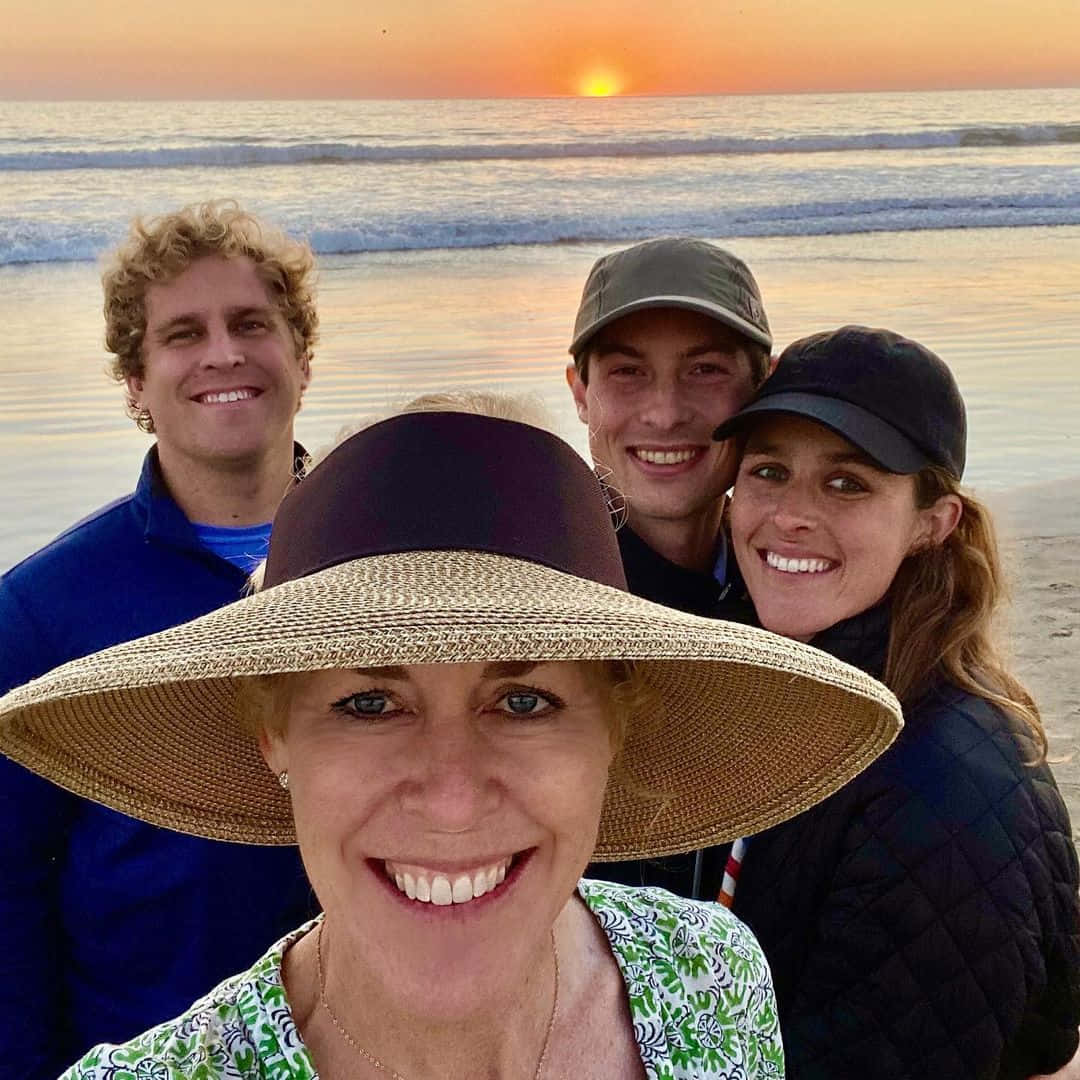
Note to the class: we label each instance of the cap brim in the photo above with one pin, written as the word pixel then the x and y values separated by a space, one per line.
pixel 753 728
pixel 687 303
pixel 890 448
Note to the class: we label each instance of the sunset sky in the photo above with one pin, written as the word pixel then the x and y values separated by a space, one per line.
pixel 495 48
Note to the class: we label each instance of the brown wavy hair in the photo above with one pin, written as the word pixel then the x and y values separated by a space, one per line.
pixel 159 249
pixel 944 601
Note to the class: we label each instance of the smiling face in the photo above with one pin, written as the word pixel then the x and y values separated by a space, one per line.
pixel 659 382
pixel 819 530
pixel 445 813
pixel 220 377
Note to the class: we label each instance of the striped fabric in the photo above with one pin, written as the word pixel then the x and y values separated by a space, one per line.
pixel 731 873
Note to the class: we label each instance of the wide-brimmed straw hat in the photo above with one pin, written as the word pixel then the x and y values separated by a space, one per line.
pixel 448 537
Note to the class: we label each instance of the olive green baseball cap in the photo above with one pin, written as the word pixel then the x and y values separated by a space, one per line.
pixel 673 271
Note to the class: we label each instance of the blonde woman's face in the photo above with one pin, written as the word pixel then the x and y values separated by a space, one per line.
pixel 819 531
pixel 446 811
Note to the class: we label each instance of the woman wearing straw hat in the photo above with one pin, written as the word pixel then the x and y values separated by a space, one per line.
pixel 924 920
pixel 457 703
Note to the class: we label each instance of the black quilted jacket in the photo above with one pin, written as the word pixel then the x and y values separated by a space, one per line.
pixel 923 921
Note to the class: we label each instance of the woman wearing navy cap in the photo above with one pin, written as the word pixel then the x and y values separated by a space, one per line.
pixel 923 921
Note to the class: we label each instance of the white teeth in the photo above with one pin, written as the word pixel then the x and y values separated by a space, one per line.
pixel 797 566
pixel 227 396
pixel 480 883
pixel 430 887
pixel 665 457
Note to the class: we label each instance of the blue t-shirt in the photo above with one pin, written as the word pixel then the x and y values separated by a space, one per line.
pixel 244 547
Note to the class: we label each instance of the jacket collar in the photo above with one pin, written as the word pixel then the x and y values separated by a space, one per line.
pixel 162 518
pixel 861 641
pixel 650 575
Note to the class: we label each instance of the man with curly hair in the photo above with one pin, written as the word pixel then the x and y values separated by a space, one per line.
pixel 210 317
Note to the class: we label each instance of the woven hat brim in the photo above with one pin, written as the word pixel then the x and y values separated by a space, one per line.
pixel 754 728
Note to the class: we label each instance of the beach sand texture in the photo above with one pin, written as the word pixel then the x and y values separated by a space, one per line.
pixel 1040 529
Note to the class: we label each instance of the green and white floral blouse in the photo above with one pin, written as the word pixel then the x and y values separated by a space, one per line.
pixel 700 993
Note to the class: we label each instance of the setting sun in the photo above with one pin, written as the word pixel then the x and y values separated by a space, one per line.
pixel 600 84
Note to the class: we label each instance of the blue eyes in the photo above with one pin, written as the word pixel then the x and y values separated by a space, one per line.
pixel 364 704
pixel 194 333
pixel 180 335
pixel 522 703
pixel 376 703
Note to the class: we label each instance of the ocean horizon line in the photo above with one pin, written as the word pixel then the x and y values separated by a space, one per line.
pixel 879 91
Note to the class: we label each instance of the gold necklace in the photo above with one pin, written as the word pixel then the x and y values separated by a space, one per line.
pixel 376 1063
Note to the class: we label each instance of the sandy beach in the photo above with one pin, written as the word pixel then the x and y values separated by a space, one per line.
pixel 1040 531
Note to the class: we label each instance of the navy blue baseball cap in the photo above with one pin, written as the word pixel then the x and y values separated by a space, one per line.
pixel 890 396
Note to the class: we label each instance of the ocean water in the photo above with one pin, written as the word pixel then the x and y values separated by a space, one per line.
pixel 360 176
pixel 454 238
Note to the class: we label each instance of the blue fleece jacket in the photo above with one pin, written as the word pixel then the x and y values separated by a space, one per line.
pixel 108 925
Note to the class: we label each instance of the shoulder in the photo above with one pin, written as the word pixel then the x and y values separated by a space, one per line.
pixel 45 599
pixel 668 925
pixel 242 1023
pixel 68 550
pixel 952 807
pixel 951 734
pixel 699 986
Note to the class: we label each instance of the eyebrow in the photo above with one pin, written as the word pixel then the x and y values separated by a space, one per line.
pixel 509 669
pixel 610 348
pixel 703 348
pixel 398 674
pixel 728 348
pixel 499 669
pixel 840 457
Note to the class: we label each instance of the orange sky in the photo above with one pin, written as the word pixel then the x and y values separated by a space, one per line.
pixel 437 48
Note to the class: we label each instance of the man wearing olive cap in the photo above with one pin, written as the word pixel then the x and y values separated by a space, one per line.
pixel 671 339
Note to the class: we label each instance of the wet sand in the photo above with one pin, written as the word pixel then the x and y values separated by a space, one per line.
pixel 1040 533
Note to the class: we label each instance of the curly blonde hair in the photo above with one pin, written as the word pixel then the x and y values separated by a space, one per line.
pixel 159 249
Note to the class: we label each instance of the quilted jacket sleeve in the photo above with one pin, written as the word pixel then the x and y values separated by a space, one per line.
pixel 947 937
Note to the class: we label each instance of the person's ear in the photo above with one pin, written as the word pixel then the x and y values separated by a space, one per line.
pixel 578 389
pixel 938 521
pixel 305 373
pixel 272 748
pixel 134 384
pixel 773 361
